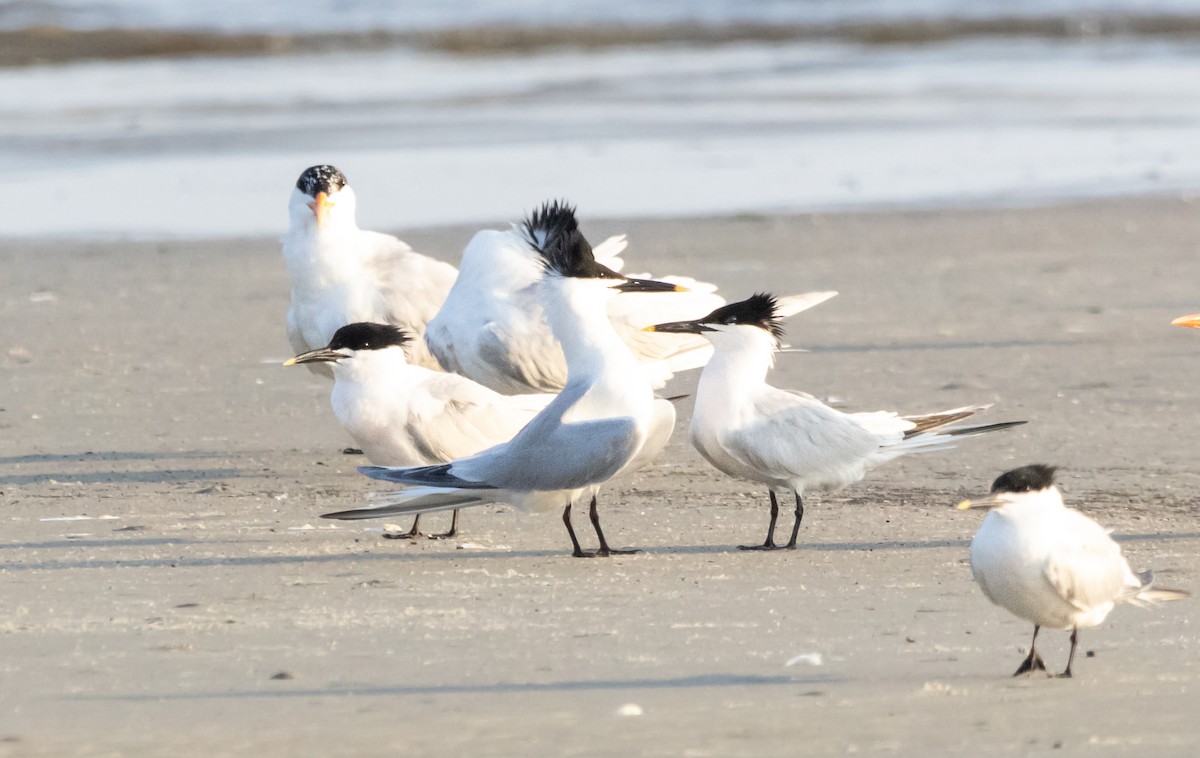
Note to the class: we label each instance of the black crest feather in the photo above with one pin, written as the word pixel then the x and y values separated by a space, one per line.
pixel 554 233
pixel 316 179
pixel 1030 478
pixel 366 336
pixel 760 309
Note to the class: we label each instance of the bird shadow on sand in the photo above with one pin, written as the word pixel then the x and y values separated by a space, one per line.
pixel 164 476
pixel 112 455
pixel 400 555
pixel 703 681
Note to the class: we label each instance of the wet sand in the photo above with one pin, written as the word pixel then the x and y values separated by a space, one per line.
pixel 203 608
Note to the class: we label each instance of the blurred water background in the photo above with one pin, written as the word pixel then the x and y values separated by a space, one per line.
pixel 163 118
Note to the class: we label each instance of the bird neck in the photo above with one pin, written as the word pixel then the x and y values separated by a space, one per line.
pixel 383 370
pixel 577 311
pixel 740 362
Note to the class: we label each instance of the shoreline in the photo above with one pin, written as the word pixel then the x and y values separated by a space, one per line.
pixel 43 45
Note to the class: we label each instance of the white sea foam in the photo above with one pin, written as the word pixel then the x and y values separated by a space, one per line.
pixel 210 147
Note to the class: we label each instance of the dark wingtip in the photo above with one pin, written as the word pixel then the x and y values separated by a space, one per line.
pixel 1031 478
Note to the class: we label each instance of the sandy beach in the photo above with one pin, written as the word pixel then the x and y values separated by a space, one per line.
pixel 168 587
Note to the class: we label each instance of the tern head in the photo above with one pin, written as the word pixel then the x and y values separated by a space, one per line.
pixel 755 318
pixel 322 199
pixel 356 340
pixel 1034 482
pixel 566 256
pixel 1192 320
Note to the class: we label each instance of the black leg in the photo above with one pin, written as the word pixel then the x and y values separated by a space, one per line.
pixel 578 552
pixel 411 534
pixel 1066 674
pixel 1033 662
pixel 453 532
pixel 604 550
pixel 770 543
pixel 791 545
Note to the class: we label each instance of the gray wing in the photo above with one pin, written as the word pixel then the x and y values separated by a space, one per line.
pixel 793 436
pixel 549 455
pixel 461 418
pixel 1086 569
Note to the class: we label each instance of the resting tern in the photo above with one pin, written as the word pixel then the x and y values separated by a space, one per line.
pixel 790 440
pixel 406 415
pixel 606 420
pixel 1049 564
pixel 341 274
pixel 493 326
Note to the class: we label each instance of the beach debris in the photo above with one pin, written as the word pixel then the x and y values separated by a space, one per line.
pixel 283 676
pixel 42 296
pixel 809 659
pixel 20 354
pixel 629 709
pixel 477 546
pixel 212 489
pixel 80 518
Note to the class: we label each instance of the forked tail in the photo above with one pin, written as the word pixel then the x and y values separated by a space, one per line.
pixel 1147 594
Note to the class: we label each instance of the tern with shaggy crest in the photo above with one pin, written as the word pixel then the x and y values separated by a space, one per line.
pixel 790 441
pixel 605 422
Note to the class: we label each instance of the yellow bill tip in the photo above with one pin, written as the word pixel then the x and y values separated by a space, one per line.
pixel 290 362
pixel 681 288
pixel 651 328
pixel 964 505
pixel 1192 320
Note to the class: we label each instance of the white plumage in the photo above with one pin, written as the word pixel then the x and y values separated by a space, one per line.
pixel 406 415
pixel 605 422
pixel 341 274
pixel 1049 564
pixel 790 440
pixel 493 328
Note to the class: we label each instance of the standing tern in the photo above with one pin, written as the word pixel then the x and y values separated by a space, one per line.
pixel 406 415
pixel 606 420
pixel 1049 564
pixel 789 440
pixel 341 274
pixel 493 326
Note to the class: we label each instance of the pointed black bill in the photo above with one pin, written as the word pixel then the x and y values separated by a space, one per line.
pixel 320 355
pixel 680 327
pixel 647 285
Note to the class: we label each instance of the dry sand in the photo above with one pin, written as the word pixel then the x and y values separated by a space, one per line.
pixel 204 608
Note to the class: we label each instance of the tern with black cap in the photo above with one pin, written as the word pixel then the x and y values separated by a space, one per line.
pixel 790 441
pixel 341 274
pixel 402 414
pixel 1049 564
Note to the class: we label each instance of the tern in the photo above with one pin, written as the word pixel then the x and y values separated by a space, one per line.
pixel 790 440
pixel 406 415
pixel 341 274
pixel 606 420
pixel 493 326
pixel 1049 564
